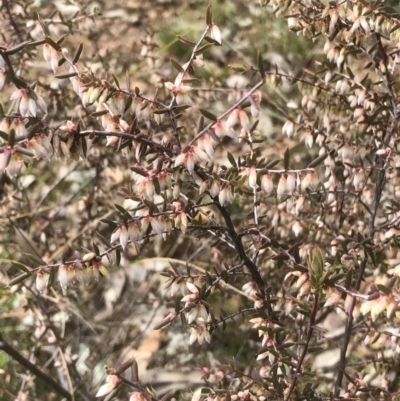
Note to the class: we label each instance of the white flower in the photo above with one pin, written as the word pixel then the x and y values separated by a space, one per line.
pixel 181 93
pixel 267 184
pixel 111 382
pixel 215 33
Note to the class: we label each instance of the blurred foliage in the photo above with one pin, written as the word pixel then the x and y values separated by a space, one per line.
pixel 275 293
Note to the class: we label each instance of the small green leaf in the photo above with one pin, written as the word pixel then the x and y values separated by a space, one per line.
pixel 78 53
pixel 45 28
pixel 254 126
pixel 68 75
pixel 186 41
pixel 17 264
pixel 176 65
pixel 52 276
pixel 17 48
pixel 318 160
pixel 203 48
pixel 4 135
pixel 237 67
pixel 209 15
pixel 208 115
pixel 272 164
pixel 121 209
pixel 53 44
pixel 84 147
pixel 96 249
pixel 260 63
pixel 232 159
pixel 286 159
pixel 351 75
pixel 99 113
pixel 19 279
pixel 116 81
pixel 117 257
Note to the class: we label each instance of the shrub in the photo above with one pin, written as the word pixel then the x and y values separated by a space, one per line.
pixel 222 213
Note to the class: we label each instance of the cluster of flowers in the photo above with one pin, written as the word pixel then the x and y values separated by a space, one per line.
pixel 196 315
pixel 84 269
pixel 161 224
pixel 288 183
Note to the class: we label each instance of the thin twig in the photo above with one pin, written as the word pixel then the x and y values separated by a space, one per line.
pixel 11 351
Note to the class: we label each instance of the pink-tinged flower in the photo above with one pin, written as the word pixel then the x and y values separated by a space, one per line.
pixel 252 172
pixel 267 184
pixel 290 183
pixel 255 100
pixel 225 196
pixel 41 280
pixel 206 143
pixel 143 111
pixel 181 221
pixel 119 102
pixel 198 311
pixel 157 226
pixel 215 188
pixel 112 140
pixel 233 118
pixel 358 179
pixel 123 236
pixel 3 75
pixel 69 127
pixel 194 335
pixel 39 151
pixel 281 190
pixel 83 273
pixel 5 158
pixel 194 293
pixel 198 62
pixel 145 187
pixel 199 334
pixel 192 156
pixel 112 381
pixel 115 235
pixel 383 152
pixel 178 286
pixel 52 56
pixel 63 277
pixel 11 162
pixel 288 128
pixel 3 64
pixel 181 93
pixel 134 232
pixel 310 180
pixel 221 129
pixel 215 33
pixel 334 297
pixel 244 120
pixel 27 106
pixel 347 152
pixel 3 72
pixel 5 126
pixel 297 228
pixel 300 204
pixel 137 396
pixel 19 127
pixel 308 139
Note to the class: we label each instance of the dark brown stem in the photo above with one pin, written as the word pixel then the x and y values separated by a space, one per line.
pixel 237 241
pixel 10 350
pixel 380 184
pixel 11 18
pixel 310 329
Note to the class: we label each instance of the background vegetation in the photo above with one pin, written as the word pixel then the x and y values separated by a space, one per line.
pixel 200 197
